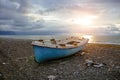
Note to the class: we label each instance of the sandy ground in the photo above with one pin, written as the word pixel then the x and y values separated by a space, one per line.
pixel 17 63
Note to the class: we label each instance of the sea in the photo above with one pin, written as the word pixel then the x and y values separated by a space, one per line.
pixel 99 39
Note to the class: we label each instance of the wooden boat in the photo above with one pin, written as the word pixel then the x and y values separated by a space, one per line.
pixel 53 49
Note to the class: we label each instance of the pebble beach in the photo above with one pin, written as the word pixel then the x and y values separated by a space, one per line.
pixel 17 63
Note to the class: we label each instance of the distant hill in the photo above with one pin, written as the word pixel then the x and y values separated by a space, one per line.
pixel 29 33
pixel 38 33
pixel 7 33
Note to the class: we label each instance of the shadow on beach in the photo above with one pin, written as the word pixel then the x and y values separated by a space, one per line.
pixel 17 63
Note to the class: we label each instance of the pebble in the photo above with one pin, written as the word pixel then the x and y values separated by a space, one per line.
pixel 51 77
pixel 93 64
pixel 1 76
pixel 98 65
pixel 3 63
pixel 88 62
pixel 117 67
pixel 82 53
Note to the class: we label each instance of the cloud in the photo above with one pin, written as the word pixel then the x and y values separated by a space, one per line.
pixel 113 29
pixel 13 15
pixel 54 3
pixel 110 29
pixel 52 15
pixel 106 1
pixel 11 5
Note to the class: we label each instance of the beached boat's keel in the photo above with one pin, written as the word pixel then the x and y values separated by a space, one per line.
pixel 43 54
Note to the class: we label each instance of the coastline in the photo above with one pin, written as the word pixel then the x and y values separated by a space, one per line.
pixel 17 62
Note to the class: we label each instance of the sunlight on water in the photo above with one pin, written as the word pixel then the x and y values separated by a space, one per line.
pixel 88 37
pixel 92 38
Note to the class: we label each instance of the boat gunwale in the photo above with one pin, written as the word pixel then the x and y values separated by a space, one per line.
pixel 57 48
pixel 60 48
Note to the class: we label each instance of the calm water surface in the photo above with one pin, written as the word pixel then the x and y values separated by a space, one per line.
pixel 93 39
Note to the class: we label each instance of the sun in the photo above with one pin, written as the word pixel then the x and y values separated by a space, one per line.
pixel 85 20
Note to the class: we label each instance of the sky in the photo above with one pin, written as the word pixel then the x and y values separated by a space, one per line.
pixel 63 16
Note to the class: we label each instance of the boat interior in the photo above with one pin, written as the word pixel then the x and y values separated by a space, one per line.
pixel 69 42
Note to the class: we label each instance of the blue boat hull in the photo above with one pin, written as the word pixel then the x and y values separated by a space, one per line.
pixel 46 53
